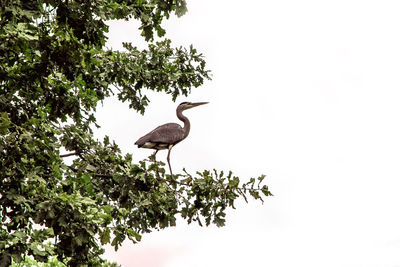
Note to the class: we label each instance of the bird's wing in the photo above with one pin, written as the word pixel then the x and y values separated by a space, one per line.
pixel 170 133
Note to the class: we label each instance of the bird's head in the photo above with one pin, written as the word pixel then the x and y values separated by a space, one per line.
pixel 188 105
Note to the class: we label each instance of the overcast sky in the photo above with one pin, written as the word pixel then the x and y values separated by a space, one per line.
pixel 305 92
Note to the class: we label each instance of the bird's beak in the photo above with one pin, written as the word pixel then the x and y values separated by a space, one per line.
pixel 192 105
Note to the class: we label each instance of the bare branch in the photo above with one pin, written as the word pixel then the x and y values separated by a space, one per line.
pixel 69 154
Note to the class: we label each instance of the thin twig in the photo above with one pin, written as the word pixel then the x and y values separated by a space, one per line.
pixel 95 174
pixel 69 154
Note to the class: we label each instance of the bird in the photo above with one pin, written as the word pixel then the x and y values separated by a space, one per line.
pixel 168 135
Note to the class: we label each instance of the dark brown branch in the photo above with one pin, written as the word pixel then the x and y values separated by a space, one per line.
pixel 95 174
pixel 69 154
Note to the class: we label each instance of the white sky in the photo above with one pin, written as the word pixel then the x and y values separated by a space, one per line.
pixel 306 92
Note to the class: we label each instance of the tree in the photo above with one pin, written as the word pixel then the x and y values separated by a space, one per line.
pixel 54 71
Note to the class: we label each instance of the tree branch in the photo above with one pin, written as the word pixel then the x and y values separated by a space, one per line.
pixel 95 174
pixel 166 180
pixel 69 154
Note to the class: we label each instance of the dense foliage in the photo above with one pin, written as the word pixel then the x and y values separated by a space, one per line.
pixel 54 70
pixel 53 262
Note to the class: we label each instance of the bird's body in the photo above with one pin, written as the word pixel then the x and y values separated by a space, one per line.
pixel 169 134
pixel 162 137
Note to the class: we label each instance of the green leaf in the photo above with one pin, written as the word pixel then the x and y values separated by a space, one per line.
pixel 4 123
pixel 181 7
pixel 134 234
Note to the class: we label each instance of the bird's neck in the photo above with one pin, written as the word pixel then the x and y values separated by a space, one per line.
pixel 186 123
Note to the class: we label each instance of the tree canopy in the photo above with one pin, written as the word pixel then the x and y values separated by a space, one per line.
pixel 54 71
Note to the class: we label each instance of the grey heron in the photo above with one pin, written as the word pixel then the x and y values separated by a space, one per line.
pixel 168 135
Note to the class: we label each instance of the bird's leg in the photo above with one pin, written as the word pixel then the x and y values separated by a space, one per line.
pixel 169 164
